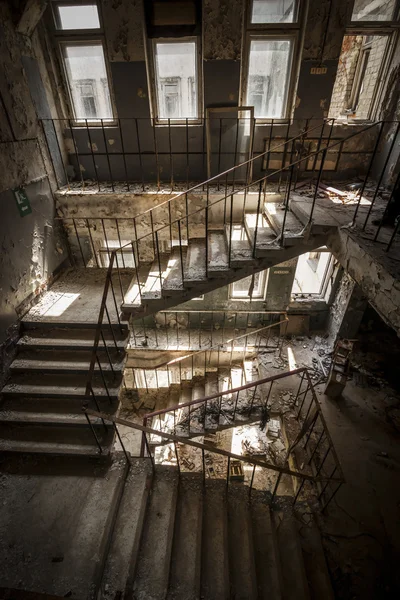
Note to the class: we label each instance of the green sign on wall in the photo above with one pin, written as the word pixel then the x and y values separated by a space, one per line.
pixel 22 201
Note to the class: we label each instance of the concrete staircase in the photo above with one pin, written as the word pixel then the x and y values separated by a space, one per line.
pixel 177 538
pixel 217 414
pixel 41 406
pixel 184 268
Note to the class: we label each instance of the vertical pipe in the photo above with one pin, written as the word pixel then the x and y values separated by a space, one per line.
pixel 171 160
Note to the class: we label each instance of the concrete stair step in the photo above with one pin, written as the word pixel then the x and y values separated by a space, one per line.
pixel 56 405
pixel 61 440
pixel 121 562
pixel 265 239
pixel 195 265
pixel 27 418
pixel 51 386
pixel 63 361
pixel 294 579
pixel 185 574
pixel 214 564
pixel 182 420
pixel 70 339
pixel 155 278
pixel 241 250
pixel 275 214
pixel 29 325
pixel 173 284
pixel 151 581
pixel 218 259
pixel 265 550
pixel 241 550
pixel 319 581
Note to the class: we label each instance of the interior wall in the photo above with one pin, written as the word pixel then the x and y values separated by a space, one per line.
pixel 32 246
pixel 165 148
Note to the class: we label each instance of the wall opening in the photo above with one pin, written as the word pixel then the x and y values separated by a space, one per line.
pixel 312 273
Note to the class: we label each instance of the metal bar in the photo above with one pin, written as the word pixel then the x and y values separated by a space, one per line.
pixel 120 244
pixel 327 483
pixel 79 243
pixel 140 154
pixel 187 153
pixel 108 354
pixel 252 479
pixel 108 155
pixel 321 167
pixel 94 433
pixel 325 506
pixel 76 152
pixel 156 152
pixel 123 152
pixel 316 447
pixel 378 139
pixel 204 466
pixel 171 160
pixel 119 277
pixel 128 458
pixel 105 239
pixel 111 327
pixel 227 471
pixel 187 218
pixel 219 149
pixel 92 153
pixel 177 458
pixel 59 151
pixel 181 252
pixel 393 236
pixel 257 216
pixel 103 379
pixel 397 183
pixel 92 244
pixel 282 241
pixel 206 229
pixel 159 261
pixel 230 233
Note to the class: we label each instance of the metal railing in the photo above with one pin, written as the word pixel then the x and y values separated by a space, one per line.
pixel 230 352
pixel 131 153
pixel 313 447
pixel 179 443
pixel 94 389
pixel 176 232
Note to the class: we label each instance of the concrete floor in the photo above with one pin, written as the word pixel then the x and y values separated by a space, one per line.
pixel 76 297
pixel 55 521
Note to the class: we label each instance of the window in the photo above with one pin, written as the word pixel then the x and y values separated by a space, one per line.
pixel 176 75
pixel 373 10
pixel 312 273
pixel 269 68
pixel 274 11
pixel 252 287
pixel 361 63
pixel 70 15
pixel 87 80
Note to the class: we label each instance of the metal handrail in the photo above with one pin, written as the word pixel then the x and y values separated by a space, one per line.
pixel 221 345
pixel 253 183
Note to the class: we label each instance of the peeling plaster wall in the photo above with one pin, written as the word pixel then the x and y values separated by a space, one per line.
pixel 347 310
pixel 377 275
pixel 32 246
pixel 222 33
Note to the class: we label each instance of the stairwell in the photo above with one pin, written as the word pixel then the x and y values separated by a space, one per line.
pixel 197 539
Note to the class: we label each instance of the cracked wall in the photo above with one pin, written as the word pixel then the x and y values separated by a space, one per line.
pixel 31 246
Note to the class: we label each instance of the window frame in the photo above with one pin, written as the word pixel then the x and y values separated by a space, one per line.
pixel 247 298
pixel 381 79
pixel 376 25
pixel 329 268
pixel 65 37
pixel 281 25
pixel 83 122
pixel 152 75
pixel 291 76
pixel 56 19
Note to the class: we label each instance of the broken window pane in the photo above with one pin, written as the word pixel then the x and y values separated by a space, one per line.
pixel 274 11
pixel 360 66
pixel 77 16
pixel 88 82
pixel 176 80
pixel 268 77
pixel 373 10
